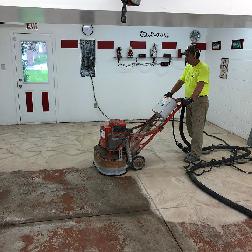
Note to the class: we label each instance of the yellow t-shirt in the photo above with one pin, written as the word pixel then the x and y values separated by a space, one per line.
pixel 192 75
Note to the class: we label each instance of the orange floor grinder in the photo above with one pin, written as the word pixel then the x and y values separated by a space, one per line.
pixel 119 146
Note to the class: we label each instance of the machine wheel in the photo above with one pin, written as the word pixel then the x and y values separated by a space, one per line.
pixel 138 162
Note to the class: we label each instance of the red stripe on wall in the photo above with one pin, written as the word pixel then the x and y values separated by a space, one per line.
pixel 138 44
pixel 29 103
pixel 169 45
pixel 201 46
pixel 69 43
pixel 105 44
pixel 45 101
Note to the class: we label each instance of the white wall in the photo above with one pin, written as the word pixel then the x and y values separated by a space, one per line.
pixel 126 93
pixel 8 113
pixel 131 93
pixel 231 102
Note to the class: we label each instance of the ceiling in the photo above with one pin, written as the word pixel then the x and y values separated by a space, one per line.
pixel 10 14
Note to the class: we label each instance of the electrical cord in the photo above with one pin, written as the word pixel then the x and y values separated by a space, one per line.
pixel 238 155
pixel 92 82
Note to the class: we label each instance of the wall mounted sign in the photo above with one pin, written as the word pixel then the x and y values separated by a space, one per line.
pixel 144 34
pixel 216 45
pixel 237 44
pixel 31 26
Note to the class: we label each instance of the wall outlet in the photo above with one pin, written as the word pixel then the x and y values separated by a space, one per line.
pixel 95 105
pixel 3 67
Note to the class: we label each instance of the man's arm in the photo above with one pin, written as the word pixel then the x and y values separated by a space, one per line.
pixel 177 86
pixel 198 90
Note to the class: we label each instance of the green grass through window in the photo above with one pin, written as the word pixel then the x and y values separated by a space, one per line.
pixel 36 76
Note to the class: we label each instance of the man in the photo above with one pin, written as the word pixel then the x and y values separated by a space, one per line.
pixel 196 81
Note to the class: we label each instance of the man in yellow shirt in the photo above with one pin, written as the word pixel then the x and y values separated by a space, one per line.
pixel 195 78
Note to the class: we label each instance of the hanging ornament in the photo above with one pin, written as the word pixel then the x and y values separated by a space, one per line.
pixel 153 52
pixel 118 54
pixel 130 52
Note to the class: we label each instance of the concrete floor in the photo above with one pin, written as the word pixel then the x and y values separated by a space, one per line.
pixel 178 216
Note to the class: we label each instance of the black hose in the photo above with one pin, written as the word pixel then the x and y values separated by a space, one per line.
pixel 219 197
pixel 181 130
pixel 234 158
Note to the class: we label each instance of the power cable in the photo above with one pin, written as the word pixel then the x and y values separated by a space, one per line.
pixel 92 82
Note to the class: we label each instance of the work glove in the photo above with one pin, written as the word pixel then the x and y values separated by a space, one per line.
pixel 187 101
pixel 168 95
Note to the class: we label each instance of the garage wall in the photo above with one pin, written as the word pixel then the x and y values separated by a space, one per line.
pixel 122 92
pixel 8 106
pixel 231 103
pixel 131 92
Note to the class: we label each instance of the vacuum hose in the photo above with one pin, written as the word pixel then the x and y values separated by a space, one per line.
pixel 234 158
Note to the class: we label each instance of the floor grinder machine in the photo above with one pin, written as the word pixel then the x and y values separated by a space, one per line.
pixel 119 146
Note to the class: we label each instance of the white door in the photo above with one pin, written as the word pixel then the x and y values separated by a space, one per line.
pixel 35 78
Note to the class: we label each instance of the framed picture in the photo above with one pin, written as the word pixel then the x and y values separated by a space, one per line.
pixel 224 68
pixel 216 45
pixel 237 44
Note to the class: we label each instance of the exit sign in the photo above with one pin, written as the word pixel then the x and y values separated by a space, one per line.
pixel 31 26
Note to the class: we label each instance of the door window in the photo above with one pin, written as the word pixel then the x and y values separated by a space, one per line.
pixel 34 62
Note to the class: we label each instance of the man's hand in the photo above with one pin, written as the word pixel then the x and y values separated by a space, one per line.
pixel 185 102
pixel 168 95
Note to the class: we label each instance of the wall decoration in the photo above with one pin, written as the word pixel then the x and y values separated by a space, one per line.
pixel 167 56
pixel 45 101
pixel 224 68
pixel 87 30
pixel 87 58
pixel 179 53
pixel 130 52
pixel 138 44
pixel 237 44
pixel 118 53
pixel 135 64
pixel 144 34
pixel 169 45
pixel 29 102
pixel 200 46
pixel 141 55
pixel 105 44
pixel 69 43
pixel 194 36
pixel 216 45
pixel 153 52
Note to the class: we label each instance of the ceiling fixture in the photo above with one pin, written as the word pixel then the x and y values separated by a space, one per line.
pixel 124 8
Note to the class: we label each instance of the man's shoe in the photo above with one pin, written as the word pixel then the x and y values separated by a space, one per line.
pixel 190 158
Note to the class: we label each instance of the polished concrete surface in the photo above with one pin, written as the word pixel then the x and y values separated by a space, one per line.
pixel 188 218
